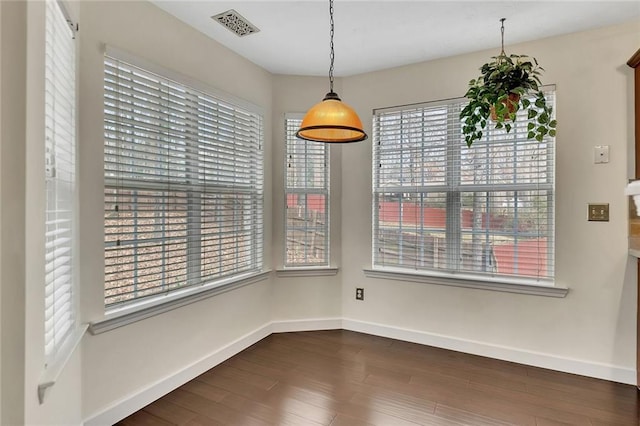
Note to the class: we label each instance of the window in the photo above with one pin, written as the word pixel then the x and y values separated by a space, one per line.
pixel 183 186
pixel 307 199
pixel 60 141
pixel 440 207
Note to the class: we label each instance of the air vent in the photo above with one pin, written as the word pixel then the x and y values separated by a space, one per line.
pixel 236 23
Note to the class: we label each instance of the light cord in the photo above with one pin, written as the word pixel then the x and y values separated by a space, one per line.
pixel 502 36
pixel 332 54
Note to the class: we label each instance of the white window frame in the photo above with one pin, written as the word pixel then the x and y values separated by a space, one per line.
pixel 312 152
pixel 195 287
pixel 449 275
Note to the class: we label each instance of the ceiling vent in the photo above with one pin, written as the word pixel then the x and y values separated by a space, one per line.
pixel 236 23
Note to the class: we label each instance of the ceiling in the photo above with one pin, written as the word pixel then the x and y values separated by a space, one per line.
pixel 373 35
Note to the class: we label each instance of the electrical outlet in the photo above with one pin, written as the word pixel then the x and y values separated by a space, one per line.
pixel 359 293
pixel 601 154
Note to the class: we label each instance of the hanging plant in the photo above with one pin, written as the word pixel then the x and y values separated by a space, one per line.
pixel 506 85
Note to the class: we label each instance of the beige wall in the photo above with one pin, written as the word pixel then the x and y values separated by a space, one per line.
pixel 125 361
pixel 315 297
pixel 595 322
pixel 113 366
pixel 12 180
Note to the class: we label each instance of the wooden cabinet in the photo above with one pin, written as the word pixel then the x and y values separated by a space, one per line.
pixel 634 63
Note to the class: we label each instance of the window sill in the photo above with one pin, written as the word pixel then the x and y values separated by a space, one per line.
pixel 121 316
pixel 512 285
pixel 53 370
pixel 307 272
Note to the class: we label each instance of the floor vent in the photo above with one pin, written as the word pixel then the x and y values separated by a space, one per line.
pixel 236 23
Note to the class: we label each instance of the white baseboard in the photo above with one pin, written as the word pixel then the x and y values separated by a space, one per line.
pixel 306 325
pixel 134 402
pixel 537 359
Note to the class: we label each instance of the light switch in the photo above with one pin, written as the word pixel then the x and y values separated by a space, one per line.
pixel 601 154
pixel 599 212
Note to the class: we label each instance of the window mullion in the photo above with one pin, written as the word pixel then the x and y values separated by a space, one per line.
pixel 454 202
pixel 194 200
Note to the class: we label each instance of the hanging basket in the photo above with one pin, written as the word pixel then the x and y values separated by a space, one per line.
pixel 515 76
pixel 511 103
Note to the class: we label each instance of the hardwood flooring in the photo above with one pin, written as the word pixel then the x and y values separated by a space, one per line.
pixel 343 378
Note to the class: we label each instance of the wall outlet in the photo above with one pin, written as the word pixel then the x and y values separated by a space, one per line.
pixel 601 154
pixel 359 293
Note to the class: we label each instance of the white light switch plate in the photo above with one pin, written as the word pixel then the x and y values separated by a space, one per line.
pixel 601 154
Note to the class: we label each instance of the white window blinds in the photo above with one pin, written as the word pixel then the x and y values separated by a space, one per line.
pixel 439 206
pixel 183 186
pixel 306 198
pixel 60 140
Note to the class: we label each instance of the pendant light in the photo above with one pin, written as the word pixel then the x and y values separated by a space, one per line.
pixel 331 120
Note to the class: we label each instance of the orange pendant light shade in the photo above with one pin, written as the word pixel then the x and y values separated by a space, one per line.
pixel 331 121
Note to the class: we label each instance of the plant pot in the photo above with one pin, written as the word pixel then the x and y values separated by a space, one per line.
pixel 511 102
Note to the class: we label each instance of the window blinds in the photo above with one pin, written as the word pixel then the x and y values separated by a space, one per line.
pixel 440 206
pixel 307 199
pixel 183 185
pixel 60 81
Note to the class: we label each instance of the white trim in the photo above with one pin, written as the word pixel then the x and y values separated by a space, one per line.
pixel 306 325
pixel 143 397
pixel 511 285
pixel 118 317
pixel 536 359
pixel 306 272
pixel 52 372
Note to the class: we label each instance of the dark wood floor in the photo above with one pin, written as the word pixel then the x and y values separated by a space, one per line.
pixel 344 378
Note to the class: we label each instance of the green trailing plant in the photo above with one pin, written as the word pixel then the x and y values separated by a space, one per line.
pixel 506 85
